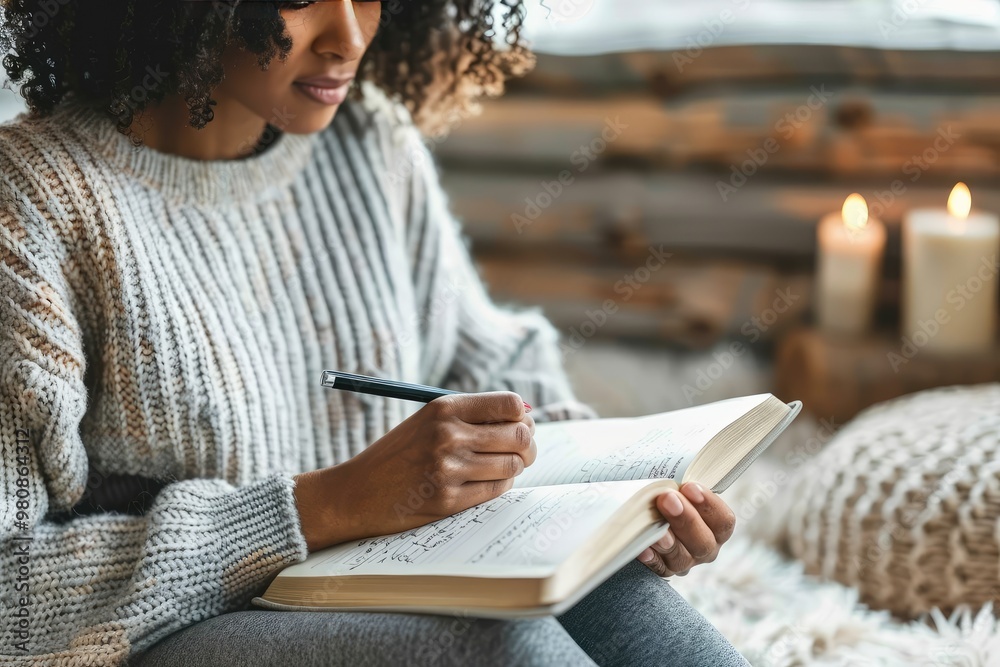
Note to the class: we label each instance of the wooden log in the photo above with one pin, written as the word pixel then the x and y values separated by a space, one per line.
pixel 683 301
pixel 660 71
pixel 815 128
pixel 836 379
pixel 769 217
pixel 559 132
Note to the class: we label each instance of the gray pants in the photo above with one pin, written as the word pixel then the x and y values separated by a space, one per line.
pixel 634 618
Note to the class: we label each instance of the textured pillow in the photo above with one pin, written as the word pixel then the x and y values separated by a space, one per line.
pixel 904 502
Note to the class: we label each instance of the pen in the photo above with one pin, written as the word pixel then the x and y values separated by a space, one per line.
pixel 407 391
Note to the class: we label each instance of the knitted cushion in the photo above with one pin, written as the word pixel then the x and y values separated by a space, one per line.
pixel 904 502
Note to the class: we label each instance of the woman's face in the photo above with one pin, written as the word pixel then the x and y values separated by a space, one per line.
pixel 329 37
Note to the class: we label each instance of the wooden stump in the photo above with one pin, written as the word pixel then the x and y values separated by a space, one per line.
pixel 837 378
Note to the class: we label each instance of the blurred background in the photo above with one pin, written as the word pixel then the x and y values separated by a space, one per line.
pixel 656 185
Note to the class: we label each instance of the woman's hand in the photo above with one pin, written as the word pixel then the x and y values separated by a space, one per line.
pixel 700 523
pixel 455 452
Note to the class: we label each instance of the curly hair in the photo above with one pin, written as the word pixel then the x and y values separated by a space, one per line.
pixel 437 57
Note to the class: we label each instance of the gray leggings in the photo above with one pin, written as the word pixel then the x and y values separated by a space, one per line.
pixel 635 618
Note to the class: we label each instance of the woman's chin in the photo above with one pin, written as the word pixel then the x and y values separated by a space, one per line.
pixel 312 122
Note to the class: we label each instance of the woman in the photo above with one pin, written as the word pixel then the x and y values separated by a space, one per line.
pixel 165 312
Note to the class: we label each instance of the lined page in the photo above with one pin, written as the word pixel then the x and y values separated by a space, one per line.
pixel 657 446
pixel 525 532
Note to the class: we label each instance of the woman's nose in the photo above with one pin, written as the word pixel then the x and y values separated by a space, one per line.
pixel 340 32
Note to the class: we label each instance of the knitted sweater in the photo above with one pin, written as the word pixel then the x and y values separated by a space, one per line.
pixel 170 318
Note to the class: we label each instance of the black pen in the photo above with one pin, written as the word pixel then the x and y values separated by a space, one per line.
pixel 364 384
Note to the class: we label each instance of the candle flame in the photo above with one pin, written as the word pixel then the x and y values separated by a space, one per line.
pixel 960 201
pixel 855 212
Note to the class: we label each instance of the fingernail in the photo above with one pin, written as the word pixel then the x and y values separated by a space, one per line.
pixel 646 556
pixel 667 541
pixel 527 408
pixel 695 492
pixel 673 504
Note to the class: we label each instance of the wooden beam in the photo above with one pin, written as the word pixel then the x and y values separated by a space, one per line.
pixel 671 73
pixel 816 129
pixel 768 217
pixel 676 300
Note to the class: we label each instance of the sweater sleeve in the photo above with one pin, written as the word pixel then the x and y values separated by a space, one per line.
pixel 78 589
pixel 472 344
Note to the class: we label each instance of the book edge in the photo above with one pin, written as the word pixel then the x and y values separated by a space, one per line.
pixel 632 551
pixel 795 407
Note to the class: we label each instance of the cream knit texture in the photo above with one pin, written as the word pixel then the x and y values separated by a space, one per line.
pixel 903 504
pixel 169 317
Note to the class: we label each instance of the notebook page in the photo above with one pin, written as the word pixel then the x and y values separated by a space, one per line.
pixel 657 446
pixel 527 532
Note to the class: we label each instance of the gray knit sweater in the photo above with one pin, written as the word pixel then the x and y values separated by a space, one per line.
pixel 170 318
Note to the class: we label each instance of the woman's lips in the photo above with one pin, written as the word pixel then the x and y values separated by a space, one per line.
pixel 325 94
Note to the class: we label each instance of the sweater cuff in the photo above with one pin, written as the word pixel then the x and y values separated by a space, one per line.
pixel 261 534
pixel 562 411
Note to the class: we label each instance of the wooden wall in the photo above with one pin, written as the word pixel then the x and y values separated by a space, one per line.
pixel 726 160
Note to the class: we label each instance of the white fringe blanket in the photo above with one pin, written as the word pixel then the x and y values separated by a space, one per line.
pixel 779 617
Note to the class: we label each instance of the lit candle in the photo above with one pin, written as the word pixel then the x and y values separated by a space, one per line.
pixel 848 268
pixel 950 276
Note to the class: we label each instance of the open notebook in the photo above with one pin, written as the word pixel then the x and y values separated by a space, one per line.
pixel 580 512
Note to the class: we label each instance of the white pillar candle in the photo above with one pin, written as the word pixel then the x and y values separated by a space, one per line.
pixel 950 276
pixel 850 246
